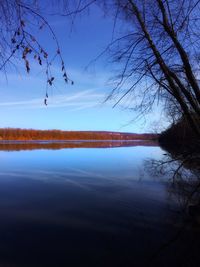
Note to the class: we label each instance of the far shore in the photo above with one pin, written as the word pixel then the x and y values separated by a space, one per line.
pixel 71 140
pixel 29 135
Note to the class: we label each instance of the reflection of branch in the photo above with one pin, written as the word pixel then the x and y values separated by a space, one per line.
pixel 178 169
pixel 184 184
pixel 167 244
pixel 191 195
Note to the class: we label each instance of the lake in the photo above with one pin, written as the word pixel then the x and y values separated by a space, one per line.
pixel 82 205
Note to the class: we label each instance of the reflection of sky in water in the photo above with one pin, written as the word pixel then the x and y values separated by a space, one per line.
pixel 99 177
pixel 99 169
pixel 81 199
pixel 116 162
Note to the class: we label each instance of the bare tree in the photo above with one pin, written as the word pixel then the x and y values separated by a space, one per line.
pixel 158 53
pixel 20 26
pixel 166 46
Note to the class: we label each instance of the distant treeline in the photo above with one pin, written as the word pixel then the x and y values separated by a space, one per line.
pixel 30 134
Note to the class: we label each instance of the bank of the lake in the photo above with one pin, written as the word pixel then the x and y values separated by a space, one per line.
pixel 180 137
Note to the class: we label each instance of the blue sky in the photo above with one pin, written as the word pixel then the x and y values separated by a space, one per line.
pixel 77 107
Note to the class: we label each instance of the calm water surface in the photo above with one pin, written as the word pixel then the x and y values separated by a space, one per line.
pixel 90 207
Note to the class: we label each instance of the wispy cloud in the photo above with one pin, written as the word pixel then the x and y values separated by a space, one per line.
pixel 76 101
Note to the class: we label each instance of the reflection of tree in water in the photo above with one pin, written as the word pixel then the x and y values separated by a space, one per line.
pixel 182 173
pixel 56 144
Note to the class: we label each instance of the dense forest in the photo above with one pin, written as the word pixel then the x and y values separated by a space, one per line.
pixel 30 134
